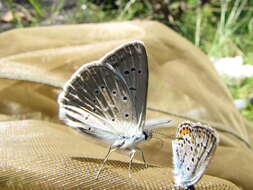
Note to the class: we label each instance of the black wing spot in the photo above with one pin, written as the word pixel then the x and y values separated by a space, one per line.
pixel 132 88
pixel 124 98
pixel 126 72
pixel 96 91
pixel 102 87
pixel 139 71
pixel 94 100
pixel 113 119
pixel 114 92
pixel 133 69
pixel 188 169
pixel 192 159
pixel 126 115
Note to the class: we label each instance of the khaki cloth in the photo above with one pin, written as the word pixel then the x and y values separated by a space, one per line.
pixel 37 151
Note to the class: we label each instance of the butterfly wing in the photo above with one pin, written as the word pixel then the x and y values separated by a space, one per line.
pixel 130 61
pixel 192 152
pixel 98 99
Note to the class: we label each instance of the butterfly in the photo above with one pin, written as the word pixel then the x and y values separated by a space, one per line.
pixel 193 149
pixel 107 100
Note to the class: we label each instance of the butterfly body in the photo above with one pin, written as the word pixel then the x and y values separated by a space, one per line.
pixel 129 142
pixel 126 141
pixel 192 152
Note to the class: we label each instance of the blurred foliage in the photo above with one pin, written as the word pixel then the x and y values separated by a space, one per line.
pixel 219 27
pixel 244 90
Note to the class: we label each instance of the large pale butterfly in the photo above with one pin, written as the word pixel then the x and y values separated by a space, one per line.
pixel 107 99
pixel 193 149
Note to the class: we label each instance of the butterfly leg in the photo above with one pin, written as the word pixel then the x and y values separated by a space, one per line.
pixel 106 158
pixel 142 155
pixel 132 153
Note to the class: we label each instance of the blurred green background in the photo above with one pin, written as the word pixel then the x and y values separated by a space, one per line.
pixel 221 28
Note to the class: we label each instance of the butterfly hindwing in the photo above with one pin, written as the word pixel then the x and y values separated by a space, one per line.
pixel 206 143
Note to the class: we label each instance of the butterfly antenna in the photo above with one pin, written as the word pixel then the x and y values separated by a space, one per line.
pixel 167 136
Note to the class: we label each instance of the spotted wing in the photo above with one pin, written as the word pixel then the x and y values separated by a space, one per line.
pixel 98 100
pixel 130 61
pixel 192 152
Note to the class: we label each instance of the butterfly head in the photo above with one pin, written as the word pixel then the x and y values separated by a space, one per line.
pixel 147 135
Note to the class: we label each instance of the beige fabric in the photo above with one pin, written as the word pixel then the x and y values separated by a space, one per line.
pixel 37 151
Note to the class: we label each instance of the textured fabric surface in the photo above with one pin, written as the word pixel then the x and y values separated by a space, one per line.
pixel 37 151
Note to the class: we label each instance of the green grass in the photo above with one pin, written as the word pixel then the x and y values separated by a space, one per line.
pixel 244 90
pixel 219 27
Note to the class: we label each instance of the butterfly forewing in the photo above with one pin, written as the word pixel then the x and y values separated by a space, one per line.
pixel 130 61
pixel 192 152
pixel 102 99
